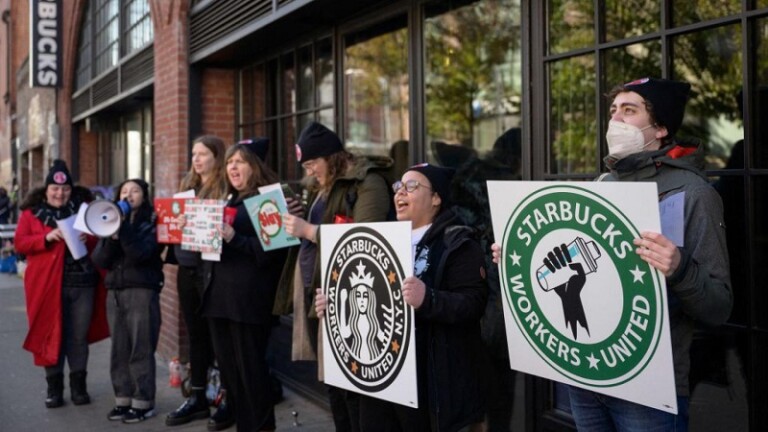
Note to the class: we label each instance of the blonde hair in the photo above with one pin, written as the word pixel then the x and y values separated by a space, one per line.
pixel 216 185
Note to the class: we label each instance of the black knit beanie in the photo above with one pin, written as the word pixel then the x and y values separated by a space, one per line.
pixel 58 174
pixel 667 98
pixel 259 146
pixel 317 141
pixel 440 179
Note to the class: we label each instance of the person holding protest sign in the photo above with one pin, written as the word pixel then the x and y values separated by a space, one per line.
pixel 65 302
pixel 448 292
pixel 206 177
pixel 645 116
pixel 239 295
pixel 132 258
pixel 343 188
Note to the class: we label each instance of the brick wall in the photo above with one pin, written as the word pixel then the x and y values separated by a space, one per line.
pixel 89 148
pixel 218 100
pixel 171 118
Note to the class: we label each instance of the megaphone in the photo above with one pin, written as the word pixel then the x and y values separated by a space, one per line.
pixel 103 217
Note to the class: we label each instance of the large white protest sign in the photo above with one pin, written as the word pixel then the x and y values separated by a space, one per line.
pixel 580 306
pixel 368 340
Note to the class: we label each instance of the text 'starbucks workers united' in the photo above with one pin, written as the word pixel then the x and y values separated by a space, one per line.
pixel 567 250
pixel 368 320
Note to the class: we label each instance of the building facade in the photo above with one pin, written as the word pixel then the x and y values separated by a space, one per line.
pixel 501 89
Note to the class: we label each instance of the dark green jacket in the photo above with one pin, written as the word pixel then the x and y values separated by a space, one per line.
pixel 365 186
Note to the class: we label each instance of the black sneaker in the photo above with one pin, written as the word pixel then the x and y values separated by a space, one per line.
pixel 118 412
pixel 138 415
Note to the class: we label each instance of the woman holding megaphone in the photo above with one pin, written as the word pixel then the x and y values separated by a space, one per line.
pixel 134 279
pixel 63 306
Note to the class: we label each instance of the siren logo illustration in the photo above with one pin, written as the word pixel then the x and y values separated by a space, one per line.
pixel 367 320
pixel 553 242
pixel 270 221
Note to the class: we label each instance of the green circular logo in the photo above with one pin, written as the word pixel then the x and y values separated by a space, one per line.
pixel 587 304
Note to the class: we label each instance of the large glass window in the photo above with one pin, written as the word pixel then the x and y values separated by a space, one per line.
pixel 110 30
pixel 84 51
pixel 473 83
pixel 279 96
pixel 106 35
pixel 592 45
pixel 138 25
pixel 376 88
pixel 711 61
pixel 127 148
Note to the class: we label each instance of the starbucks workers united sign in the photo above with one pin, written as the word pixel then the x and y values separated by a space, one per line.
pixel 580 306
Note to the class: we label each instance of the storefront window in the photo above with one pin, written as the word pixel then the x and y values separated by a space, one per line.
pixel 571 25
pixel 693 11
pixel 759 150
pixel 573 123
pixel 376 83
pixel 279 96
pixel 628 62
pixel 627 18
pixel 710 61
pixel 473 80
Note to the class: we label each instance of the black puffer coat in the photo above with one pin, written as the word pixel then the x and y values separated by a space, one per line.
pixel 449 351
pixel 133 260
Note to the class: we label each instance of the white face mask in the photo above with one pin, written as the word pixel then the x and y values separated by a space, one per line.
pixel 625 139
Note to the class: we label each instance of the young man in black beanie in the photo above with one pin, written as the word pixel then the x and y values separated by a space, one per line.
pixel 645 116
pixel 343 188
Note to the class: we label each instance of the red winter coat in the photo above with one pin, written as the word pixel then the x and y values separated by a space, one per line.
pixel 42 286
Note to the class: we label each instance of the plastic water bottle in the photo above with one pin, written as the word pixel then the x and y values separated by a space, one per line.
pixel 174 367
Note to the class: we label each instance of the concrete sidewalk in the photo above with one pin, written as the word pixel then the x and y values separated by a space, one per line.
pixel 23 387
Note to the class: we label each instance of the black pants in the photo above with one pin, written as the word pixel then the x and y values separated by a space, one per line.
pixel 377 415
pixel 76 313
pixel 190 286
pixel 241 351
pixel 345 405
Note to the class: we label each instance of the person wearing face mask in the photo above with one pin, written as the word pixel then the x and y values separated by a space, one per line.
pixel 132 258
pixel 65 302
pixel 645 116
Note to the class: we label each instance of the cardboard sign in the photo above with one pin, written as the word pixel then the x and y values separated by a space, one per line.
pixel 369 345
pixel 580 306
pixel 266 211
pixel 168 210
pixel 204 219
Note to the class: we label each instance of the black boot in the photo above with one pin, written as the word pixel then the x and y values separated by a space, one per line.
pixel 194 408
pixel 223 417
pixel 55 397
pixel 77 388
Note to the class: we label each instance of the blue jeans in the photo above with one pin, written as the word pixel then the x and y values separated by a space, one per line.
pixel 595 412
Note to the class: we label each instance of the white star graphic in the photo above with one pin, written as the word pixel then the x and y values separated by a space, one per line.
pixel 638 274
pixel 593 361
pixel 515 258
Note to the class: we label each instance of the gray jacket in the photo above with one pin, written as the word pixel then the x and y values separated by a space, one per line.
pixel 700 289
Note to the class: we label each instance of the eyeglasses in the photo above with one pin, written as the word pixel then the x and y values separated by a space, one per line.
pixel 409 185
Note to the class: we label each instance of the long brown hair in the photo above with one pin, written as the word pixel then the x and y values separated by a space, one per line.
pixel 216 185
pixel 338 164
pixel 262 174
